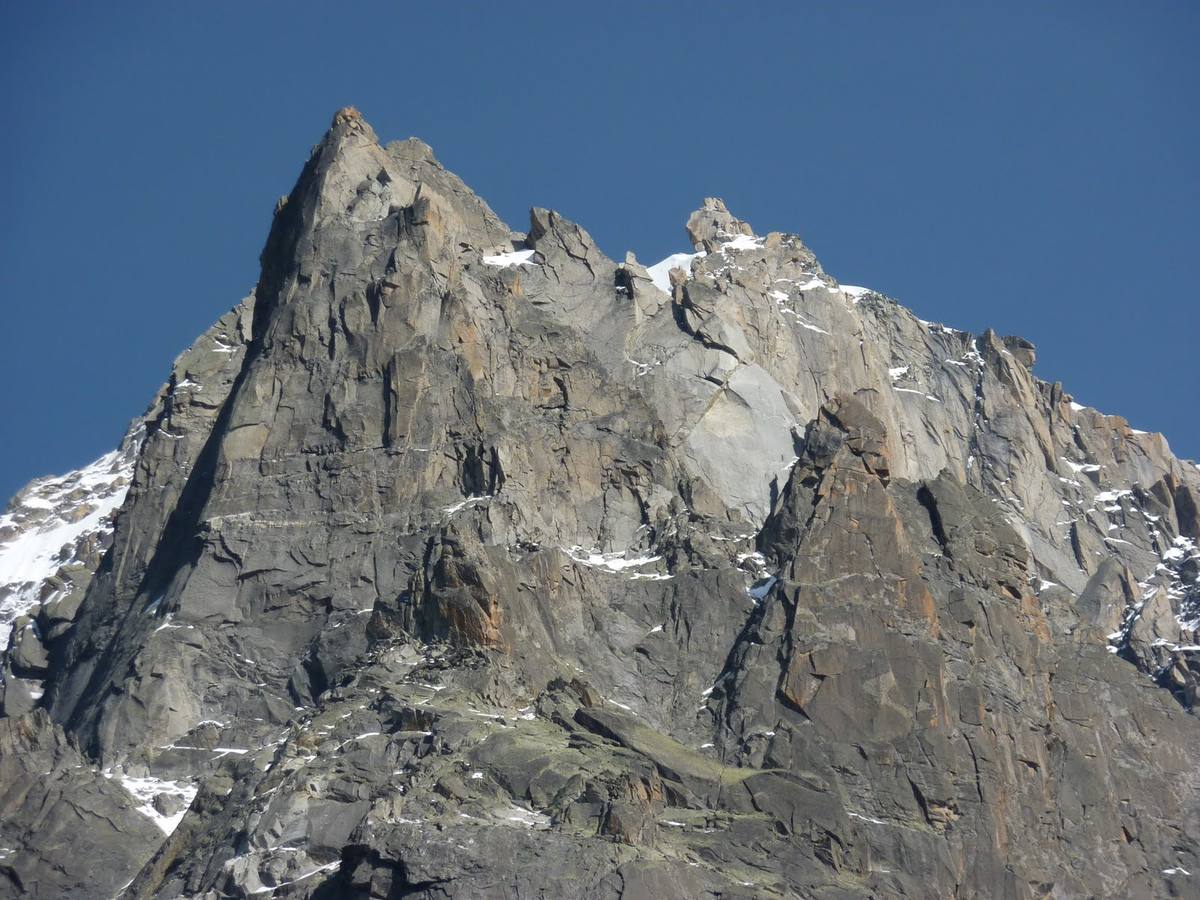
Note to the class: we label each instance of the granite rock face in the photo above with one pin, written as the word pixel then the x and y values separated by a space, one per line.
pixel 458 562
pixel 68 831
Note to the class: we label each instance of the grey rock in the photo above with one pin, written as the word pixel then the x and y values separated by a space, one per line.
pixel 27 655
pixel 65 829
pixel 713 223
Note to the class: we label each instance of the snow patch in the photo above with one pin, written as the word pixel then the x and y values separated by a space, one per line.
pixel 862 818
pixel 146 789
pixel 463 504
pixel 660 272
pixel 513 258
pixel 855 291
pixel 614 562
pixel 743 242
pixel 1080 467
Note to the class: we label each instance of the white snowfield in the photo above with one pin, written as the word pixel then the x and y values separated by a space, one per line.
pixel 47 521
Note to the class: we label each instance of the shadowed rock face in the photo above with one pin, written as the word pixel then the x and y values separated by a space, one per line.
pixel 465 563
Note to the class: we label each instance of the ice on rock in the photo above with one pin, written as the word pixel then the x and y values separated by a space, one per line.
pixel 760 590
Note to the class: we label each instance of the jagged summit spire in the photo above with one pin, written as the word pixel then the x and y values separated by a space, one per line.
pixel 348 118
pixel 346 114
pixel 713 224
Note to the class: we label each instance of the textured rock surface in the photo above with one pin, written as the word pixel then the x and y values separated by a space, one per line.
pixel 460 562
pixel 66 830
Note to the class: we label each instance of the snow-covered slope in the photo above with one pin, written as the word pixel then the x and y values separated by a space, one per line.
pixel 55 522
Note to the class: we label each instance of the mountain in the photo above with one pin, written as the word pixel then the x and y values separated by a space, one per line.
pixel 459 562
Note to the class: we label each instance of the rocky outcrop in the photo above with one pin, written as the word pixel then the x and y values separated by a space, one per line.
pixel 462 562
pixel 66 830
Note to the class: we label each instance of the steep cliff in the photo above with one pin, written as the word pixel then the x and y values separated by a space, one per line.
pixel 459 562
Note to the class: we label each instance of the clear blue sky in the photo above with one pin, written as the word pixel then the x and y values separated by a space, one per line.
pixel 1027 166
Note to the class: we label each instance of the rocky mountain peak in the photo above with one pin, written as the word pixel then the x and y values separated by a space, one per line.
pixel 456 562
pixel 712 224
pixel 349 121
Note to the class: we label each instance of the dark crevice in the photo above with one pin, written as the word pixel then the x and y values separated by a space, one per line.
pixel 921 801
pixel 481 471
pixel 926 499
